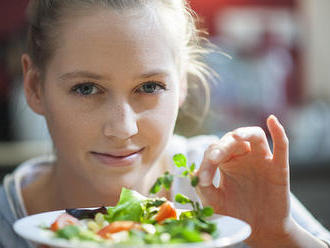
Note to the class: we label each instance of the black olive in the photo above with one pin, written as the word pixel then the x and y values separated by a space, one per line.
pixel 81 213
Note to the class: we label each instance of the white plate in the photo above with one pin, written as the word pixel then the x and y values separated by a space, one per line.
pixel 232 232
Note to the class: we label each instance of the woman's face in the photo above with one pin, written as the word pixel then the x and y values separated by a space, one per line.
pixel 111 97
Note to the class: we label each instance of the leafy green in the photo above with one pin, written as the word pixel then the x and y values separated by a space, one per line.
pixel 194 181
pixel 197 213
pixel 131 210
pixel 68 232
pixel 72 231
pixel 189 227
pixel 167 180
pixel 192 167
pixel 157 186
pixel 185 173
pixel 89 235
pixel 164 181
pixel 128 195
pixel 192 235
pixel 180 160
pixel 150 208
pixel 134 207
pixel 187 215
pixel 182 199
pixel 129 207
pixel 185 230
pixel 207 212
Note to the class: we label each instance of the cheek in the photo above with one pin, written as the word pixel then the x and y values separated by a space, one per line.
pixel 157 125
pixel 69 127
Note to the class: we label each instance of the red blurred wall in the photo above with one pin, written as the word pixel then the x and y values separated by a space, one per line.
pixel 207 9
pixel 12 16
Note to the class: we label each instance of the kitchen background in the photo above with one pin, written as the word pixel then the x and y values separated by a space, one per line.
pixel 273 57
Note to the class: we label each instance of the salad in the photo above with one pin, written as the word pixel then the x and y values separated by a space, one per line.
pixel 137 219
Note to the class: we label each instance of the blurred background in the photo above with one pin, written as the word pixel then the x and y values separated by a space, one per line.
pixel 278 63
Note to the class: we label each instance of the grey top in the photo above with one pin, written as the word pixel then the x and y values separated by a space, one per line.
pixel 12 205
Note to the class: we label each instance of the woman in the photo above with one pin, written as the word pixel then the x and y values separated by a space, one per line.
pixel 109 78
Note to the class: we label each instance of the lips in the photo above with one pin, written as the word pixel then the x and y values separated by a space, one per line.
pixel 119 158
pixel 120 154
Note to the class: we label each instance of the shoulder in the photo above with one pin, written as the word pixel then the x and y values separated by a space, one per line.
pixel 11 201
pixel 8 237
pixel 6 214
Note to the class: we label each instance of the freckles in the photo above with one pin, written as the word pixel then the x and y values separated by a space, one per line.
pixel 158 123
pixel 67 124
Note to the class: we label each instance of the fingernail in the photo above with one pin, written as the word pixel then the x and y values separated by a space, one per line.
pixel 204 179
pixel 274 117
pixel 214 154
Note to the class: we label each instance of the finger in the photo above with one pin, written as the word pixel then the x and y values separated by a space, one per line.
pixel 212 196
pixel 280 141
pixel 208 167
pixel 229 148
pixel 223 151
pixel 256 137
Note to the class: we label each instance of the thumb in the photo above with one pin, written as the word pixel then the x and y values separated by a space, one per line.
pixel 208 167
pixel 212 196
pixel 207 192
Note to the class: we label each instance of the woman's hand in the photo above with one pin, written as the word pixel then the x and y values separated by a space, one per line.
pixel 254 182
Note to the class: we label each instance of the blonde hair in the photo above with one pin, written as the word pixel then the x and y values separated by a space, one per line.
pixel 45 16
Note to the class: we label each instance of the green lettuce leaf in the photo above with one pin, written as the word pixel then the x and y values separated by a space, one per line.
pixel 129 207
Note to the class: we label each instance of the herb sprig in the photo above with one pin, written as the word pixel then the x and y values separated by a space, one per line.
pixel 165 181
pixel 181 161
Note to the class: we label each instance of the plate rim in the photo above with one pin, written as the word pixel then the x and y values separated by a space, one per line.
pixel 238 237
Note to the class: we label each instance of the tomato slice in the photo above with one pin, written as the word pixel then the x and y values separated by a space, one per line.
pixel 62 221
pixel 166 211
pixel 117 226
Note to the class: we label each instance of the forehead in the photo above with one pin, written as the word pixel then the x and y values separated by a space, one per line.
pixel 113 40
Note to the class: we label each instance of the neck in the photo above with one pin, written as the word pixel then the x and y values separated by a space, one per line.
pixel 58 189
pixel 72 191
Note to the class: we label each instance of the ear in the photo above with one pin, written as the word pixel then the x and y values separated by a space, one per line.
pixel 183 90
pixel 32 85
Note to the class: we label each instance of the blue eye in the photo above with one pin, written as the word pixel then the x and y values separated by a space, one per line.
pixel 151 88
pixel 85 89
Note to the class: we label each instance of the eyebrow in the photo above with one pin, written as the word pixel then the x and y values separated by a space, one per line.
pixel 154 73
pixel 80 74
pixel 88 74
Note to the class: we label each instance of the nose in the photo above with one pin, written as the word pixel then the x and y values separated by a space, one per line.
pixel 122 122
